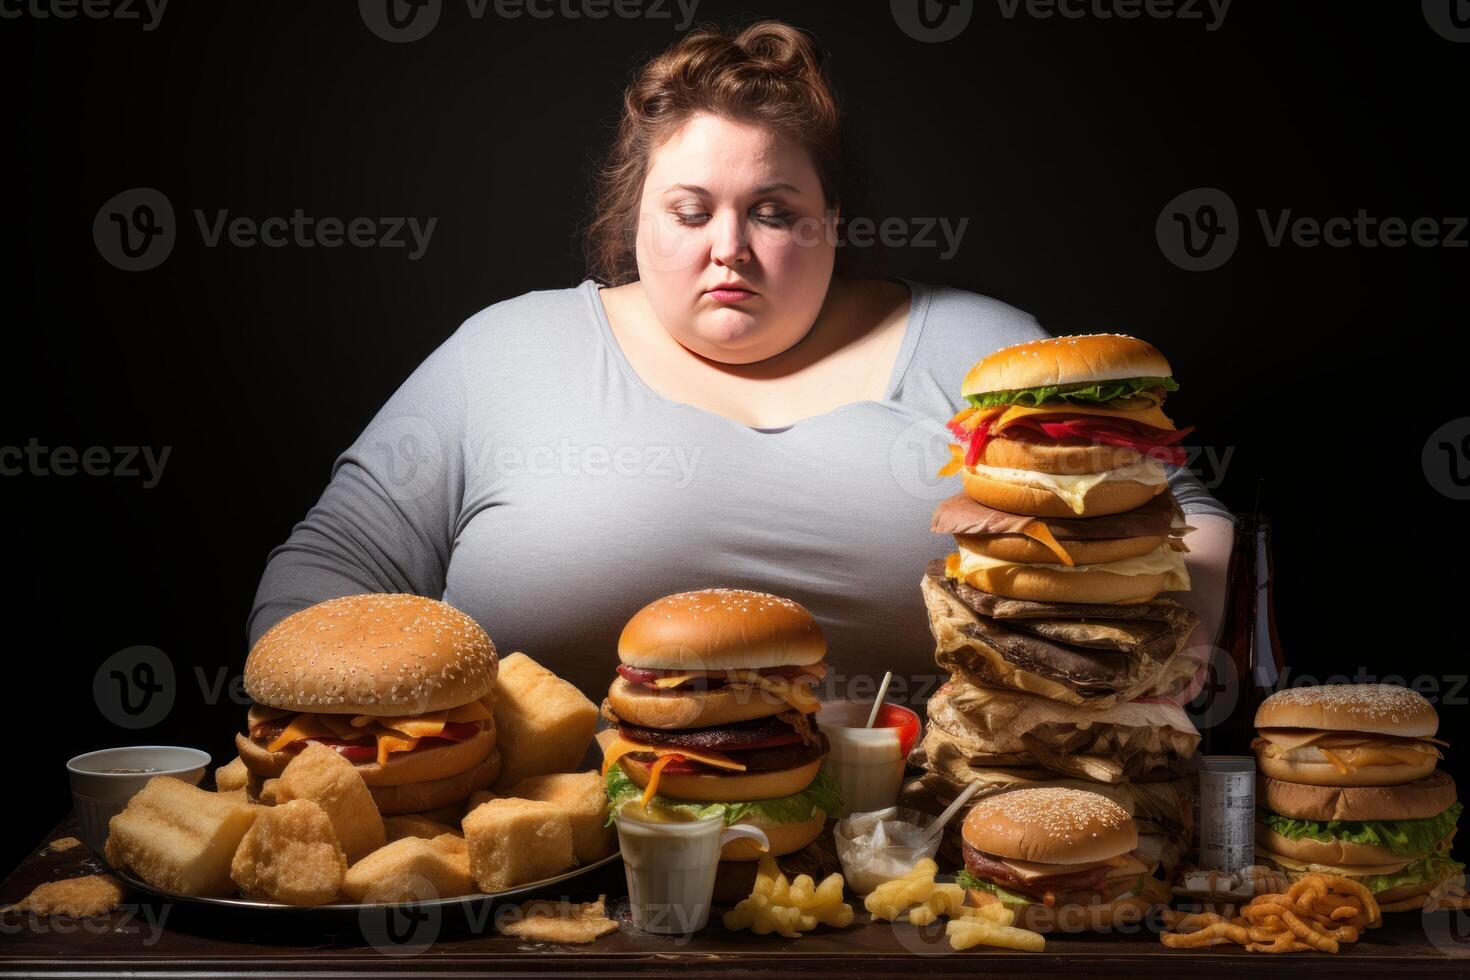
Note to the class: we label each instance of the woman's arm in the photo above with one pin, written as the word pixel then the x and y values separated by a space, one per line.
pixel 385 522
pixel 1208 561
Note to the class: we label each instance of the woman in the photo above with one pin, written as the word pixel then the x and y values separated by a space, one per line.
pixel 714 407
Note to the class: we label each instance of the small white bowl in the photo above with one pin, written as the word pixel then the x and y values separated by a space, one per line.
pixel 99 795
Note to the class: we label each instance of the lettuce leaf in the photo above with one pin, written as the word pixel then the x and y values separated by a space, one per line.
pixel 822 795
pixel 1434 867
pixel 964 879
pixel 1409 838
pixel 1086 392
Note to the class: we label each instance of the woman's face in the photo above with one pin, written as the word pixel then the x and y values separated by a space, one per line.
pixel 732 204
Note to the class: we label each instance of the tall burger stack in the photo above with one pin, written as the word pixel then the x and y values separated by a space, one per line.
pixel 1065 658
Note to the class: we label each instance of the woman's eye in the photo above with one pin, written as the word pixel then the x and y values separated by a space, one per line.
pixel 691 217
pixel 774 217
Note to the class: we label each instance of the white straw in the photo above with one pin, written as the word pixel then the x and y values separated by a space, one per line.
pixel 954 807
pixel 882 691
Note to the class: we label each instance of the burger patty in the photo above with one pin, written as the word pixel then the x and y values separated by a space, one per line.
pixel 754 760
pixel 983 866
pixel 756 733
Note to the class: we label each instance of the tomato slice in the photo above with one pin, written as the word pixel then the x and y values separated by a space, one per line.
pixel 354 752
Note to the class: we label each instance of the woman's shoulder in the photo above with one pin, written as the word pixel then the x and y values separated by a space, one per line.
pixel 546 309
pixel 972 320
pixel 959 327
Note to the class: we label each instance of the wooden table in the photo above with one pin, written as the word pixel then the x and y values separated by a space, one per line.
pixel 166 940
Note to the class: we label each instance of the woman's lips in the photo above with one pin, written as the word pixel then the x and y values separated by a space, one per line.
pixel 730 294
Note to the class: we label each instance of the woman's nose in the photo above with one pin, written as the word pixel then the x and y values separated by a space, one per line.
pixel 728 242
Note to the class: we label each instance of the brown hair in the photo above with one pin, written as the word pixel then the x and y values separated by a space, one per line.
pixel 769 73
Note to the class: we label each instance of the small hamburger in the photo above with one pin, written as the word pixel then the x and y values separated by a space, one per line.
pixel 1060 859
pixel 399 685
pixel 1348 786
pixel 1066 426
pixel 714 712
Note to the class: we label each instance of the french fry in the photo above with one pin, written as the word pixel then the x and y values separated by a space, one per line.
pixel 969 932
pixel 789 908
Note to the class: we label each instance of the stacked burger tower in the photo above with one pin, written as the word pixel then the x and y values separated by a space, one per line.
pixel 1065 659
pixel 1348 785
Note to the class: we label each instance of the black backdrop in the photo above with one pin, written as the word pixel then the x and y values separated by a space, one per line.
pixel 1325 369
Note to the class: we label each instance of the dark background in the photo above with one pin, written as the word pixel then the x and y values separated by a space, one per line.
pixel 1324 370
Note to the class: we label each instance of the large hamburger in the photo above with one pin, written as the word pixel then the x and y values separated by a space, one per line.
pixel 1060 859
pixel 399 685
pixel 714 713
pixel 1348 786
pixel 1066 426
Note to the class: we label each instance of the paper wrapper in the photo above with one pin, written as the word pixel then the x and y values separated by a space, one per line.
pixel 973 727
pixel 1089 655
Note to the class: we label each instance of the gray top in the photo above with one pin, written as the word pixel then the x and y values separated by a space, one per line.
pixel 527 475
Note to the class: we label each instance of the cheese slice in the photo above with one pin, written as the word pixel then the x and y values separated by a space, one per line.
pixel 1163 560
pixel 796 694
pixel 428 725
pixel 1144 411
pixel 1029 870
pixel 1292 738
pixel 390 742
pixel 622 746
pixel 654 773
pixel 1350 870
pixel 1073 488
pixel 302 726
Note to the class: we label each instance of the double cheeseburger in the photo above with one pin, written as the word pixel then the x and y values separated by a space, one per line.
pixel 1066 427
pixel 713 708
pixel 398 685
pixel 1348 786
pixel 1058 858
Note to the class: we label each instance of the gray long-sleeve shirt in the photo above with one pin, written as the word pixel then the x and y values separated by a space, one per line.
pixel 527 475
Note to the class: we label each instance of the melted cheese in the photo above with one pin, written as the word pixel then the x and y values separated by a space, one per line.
pixel 1144 411
pixel 1073 489
pixel 1345 751
pixel 622 746
pixel 1348 871
pixel 796 694
pixel 1163 560
pixel 394 734
pixel 654 773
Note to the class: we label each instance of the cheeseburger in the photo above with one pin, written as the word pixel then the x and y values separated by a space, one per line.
pixel 398 685
pixel 1066 427
pixel 714 713
pixel 1058 858
pixel 1348 786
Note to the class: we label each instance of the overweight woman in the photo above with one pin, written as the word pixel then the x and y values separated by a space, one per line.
pixel 713 406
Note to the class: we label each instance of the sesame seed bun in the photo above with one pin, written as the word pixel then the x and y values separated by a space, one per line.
pixel 1050 825
pixel 1066 360
pixel 720 629
pixel 375 654
pixel 1384 709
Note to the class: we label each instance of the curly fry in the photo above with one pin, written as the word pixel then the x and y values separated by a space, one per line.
pixel 1220 932
pixel 1370 906
pixel 1290 945
pixel 1308 932
pixel 1305 891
